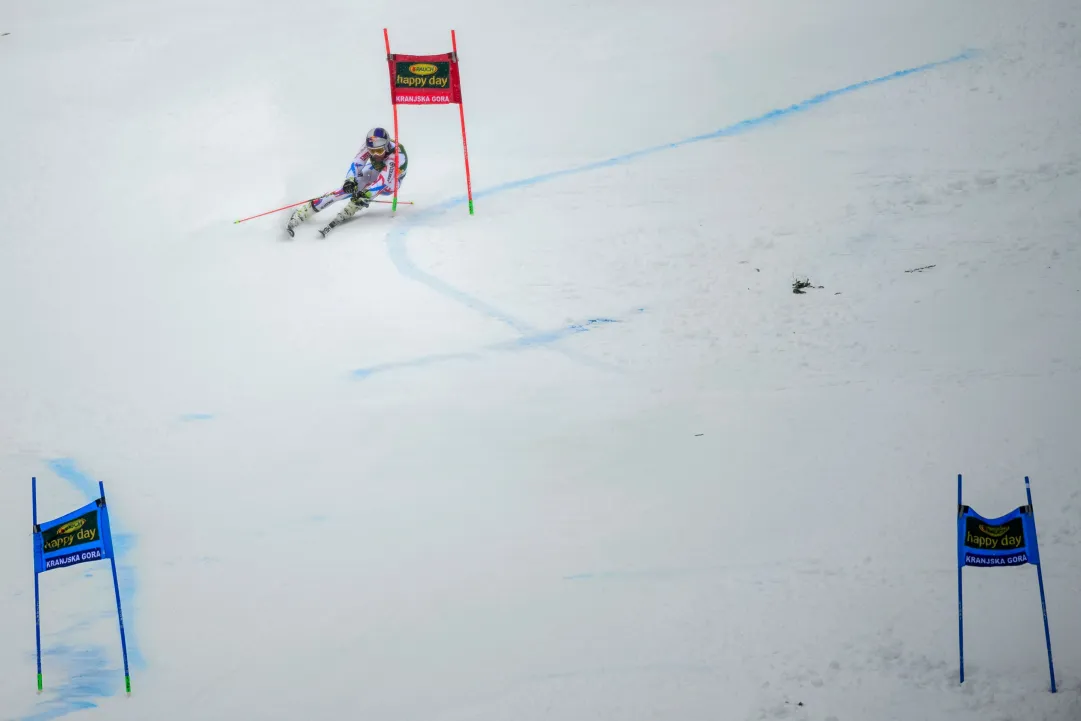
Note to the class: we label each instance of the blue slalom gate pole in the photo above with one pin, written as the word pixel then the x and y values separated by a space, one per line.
pixel 37 594
pixel 960 602
pixel 1043 599
pixel 119 612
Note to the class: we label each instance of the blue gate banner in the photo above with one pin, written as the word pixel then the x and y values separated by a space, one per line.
pixel 1008 540
pixel 78 537
pixel 1005 541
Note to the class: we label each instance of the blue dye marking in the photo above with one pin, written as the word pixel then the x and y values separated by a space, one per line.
pixel 395 240
pixel 593 321
pixel 528 341
pixel 122 543
pixel 399 255
pixel 414 363
pixel 728 130
pixel 197 417
pixel 90 678
pixel 66 469
pixel 550 336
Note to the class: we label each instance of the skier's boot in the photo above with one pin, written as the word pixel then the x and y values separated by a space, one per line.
pixel 358 201
pixel 299 216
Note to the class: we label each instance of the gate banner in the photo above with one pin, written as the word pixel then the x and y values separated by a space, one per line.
pixel 77 537
pixel 1009 540
pixel 80 536
pixel 425 79
pixel 1001 542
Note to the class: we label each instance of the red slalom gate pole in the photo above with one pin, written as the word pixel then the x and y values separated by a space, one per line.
pixel 394 105
pixel 461 115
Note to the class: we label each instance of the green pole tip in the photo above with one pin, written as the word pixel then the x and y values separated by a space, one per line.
pixel 471 207
pixel 127 683
pixel 39 683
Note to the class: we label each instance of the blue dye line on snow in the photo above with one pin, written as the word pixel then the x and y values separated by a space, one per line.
pixel 187 417
pixel 91 678
pixel 729 130
pixel 536 339
pixel 399 253
pixel 420 362
pixel 66 469
pixel 540 338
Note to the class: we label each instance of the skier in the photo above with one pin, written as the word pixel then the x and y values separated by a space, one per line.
pixel 370 174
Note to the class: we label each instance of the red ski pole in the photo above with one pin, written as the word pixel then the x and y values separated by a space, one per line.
pixel 286 207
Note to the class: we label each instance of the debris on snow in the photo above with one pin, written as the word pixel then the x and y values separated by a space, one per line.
pixel 800 283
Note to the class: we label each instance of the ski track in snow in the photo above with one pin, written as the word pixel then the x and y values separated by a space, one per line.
pixel 91 680
pixel 398 250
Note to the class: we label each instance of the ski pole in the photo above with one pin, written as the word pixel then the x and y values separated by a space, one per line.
pixel 286 207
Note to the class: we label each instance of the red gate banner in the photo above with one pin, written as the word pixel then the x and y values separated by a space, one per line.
pixel 425 79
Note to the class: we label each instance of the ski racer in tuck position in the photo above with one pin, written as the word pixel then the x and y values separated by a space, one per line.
pixel 370 174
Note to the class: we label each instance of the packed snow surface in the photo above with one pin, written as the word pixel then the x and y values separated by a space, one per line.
pixel 584 454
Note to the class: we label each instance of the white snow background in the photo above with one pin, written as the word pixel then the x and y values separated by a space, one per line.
pixel 584 455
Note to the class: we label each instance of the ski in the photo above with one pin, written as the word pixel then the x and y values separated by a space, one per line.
pixel 336 222
pixel 333 224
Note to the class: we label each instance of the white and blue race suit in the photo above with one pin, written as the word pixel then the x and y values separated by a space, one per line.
pixel 375 175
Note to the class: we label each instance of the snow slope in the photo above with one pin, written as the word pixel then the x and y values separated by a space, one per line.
pixel 583 455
